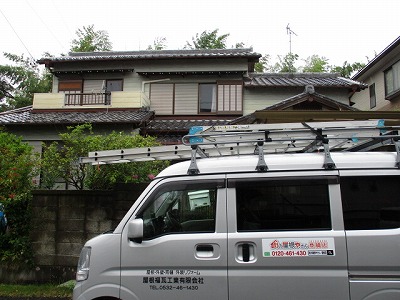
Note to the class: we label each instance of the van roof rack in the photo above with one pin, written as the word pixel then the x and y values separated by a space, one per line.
pixel 261 139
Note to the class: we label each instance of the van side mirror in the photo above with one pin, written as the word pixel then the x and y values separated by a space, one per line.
pixel 135 230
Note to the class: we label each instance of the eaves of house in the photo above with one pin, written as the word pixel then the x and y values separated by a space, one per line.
pixel 153 55
pixel 27 116
pixel 379 61
pixel 124 61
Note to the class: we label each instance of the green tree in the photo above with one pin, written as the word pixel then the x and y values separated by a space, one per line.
pixel 20 81
pixel 286 64
pixel 347 69
pixel 61 160
pixel 263 64
pixel 208 40
pixel 158 44
pixel 89 40
pixel 18 167
pixel 316 64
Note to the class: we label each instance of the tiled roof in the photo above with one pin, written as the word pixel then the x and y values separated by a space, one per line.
pixel 301 79
pixel 303 97
pixel 153 54
pixel 26 115
pixel 172 131
pixel 169 126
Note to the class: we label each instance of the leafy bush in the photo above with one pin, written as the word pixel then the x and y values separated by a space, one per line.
pixel 18 166
pixel 61 160
pixel 15 245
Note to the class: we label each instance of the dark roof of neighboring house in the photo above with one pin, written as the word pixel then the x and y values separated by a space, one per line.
pixel 27 116
pixel 310 95
pixel 300 80
pixel 169 126
pixel 289 116
pixel 170 131
pixel 153 54
pixel 377 59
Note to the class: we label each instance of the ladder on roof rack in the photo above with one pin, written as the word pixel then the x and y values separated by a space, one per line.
pixel 260 139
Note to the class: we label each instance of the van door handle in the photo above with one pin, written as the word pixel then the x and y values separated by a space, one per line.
pixel 205 251
pixel 246 252
pixel 204 248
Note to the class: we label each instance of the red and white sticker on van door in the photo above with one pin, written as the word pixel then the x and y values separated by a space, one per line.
pixel 298 247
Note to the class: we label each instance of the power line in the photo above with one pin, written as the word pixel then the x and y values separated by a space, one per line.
pixel 45 25
pixel 23 44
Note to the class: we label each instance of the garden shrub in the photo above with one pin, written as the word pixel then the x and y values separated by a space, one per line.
pixel 18 167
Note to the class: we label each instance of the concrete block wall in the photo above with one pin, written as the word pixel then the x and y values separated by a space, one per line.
pixel 62 221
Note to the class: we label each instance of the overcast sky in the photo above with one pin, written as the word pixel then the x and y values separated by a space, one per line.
pixel 339 30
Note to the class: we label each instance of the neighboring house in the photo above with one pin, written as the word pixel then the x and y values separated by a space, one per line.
pixel 382 75
pixel 272 90
pixel 165 92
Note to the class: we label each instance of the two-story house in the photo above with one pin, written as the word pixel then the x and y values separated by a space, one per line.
pixel 165 92
pixel 382 75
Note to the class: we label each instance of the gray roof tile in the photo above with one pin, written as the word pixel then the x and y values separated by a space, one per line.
pixel 26 115
pixel 300 79
pixel 153 54
pixel 180 125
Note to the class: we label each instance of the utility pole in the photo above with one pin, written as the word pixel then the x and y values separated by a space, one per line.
pixel 290 32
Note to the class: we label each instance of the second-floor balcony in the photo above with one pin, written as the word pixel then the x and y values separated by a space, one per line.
pixel 84 99
pixel 116 99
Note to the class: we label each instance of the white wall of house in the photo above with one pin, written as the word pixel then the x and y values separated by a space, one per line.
pixel 362 99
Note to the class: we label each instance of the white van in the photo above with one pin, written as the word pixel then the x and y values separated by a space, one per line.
pixel 295 229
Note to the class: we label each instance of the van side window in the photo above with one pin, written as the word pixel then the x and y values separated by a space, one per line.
pixel 270 205
pixel 180 208
pixel 371 202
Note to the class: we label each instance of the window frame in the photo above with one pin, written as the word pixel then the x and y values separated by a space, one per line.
pixel 121 80
pixel 394 80
pixel 183 185
pixel 372 96
pixel 68 86
pixel 287 181
pixel 215 95
pixel 234 99
pixel 348 208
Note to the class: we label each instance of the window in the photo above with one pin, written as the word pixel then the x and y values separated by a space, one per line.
pixel 208 98
pixel 222 98
pixel 392 81
pixel 70 86
pixel 269 205
pixel 114 85
pixel 371 202
pixel 229 97
pixel 181 208
pixel 162 98
pixel 372 96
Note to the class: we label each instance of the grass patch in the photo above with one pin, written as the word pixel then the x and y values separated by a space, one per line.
pixel 42 290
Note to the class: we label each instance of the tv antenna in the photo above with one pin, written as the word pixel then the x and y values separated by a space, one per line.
pixel 290 32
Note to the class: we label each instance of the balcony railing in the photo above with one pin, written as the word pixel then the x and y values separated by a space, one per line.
pixel 81 99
